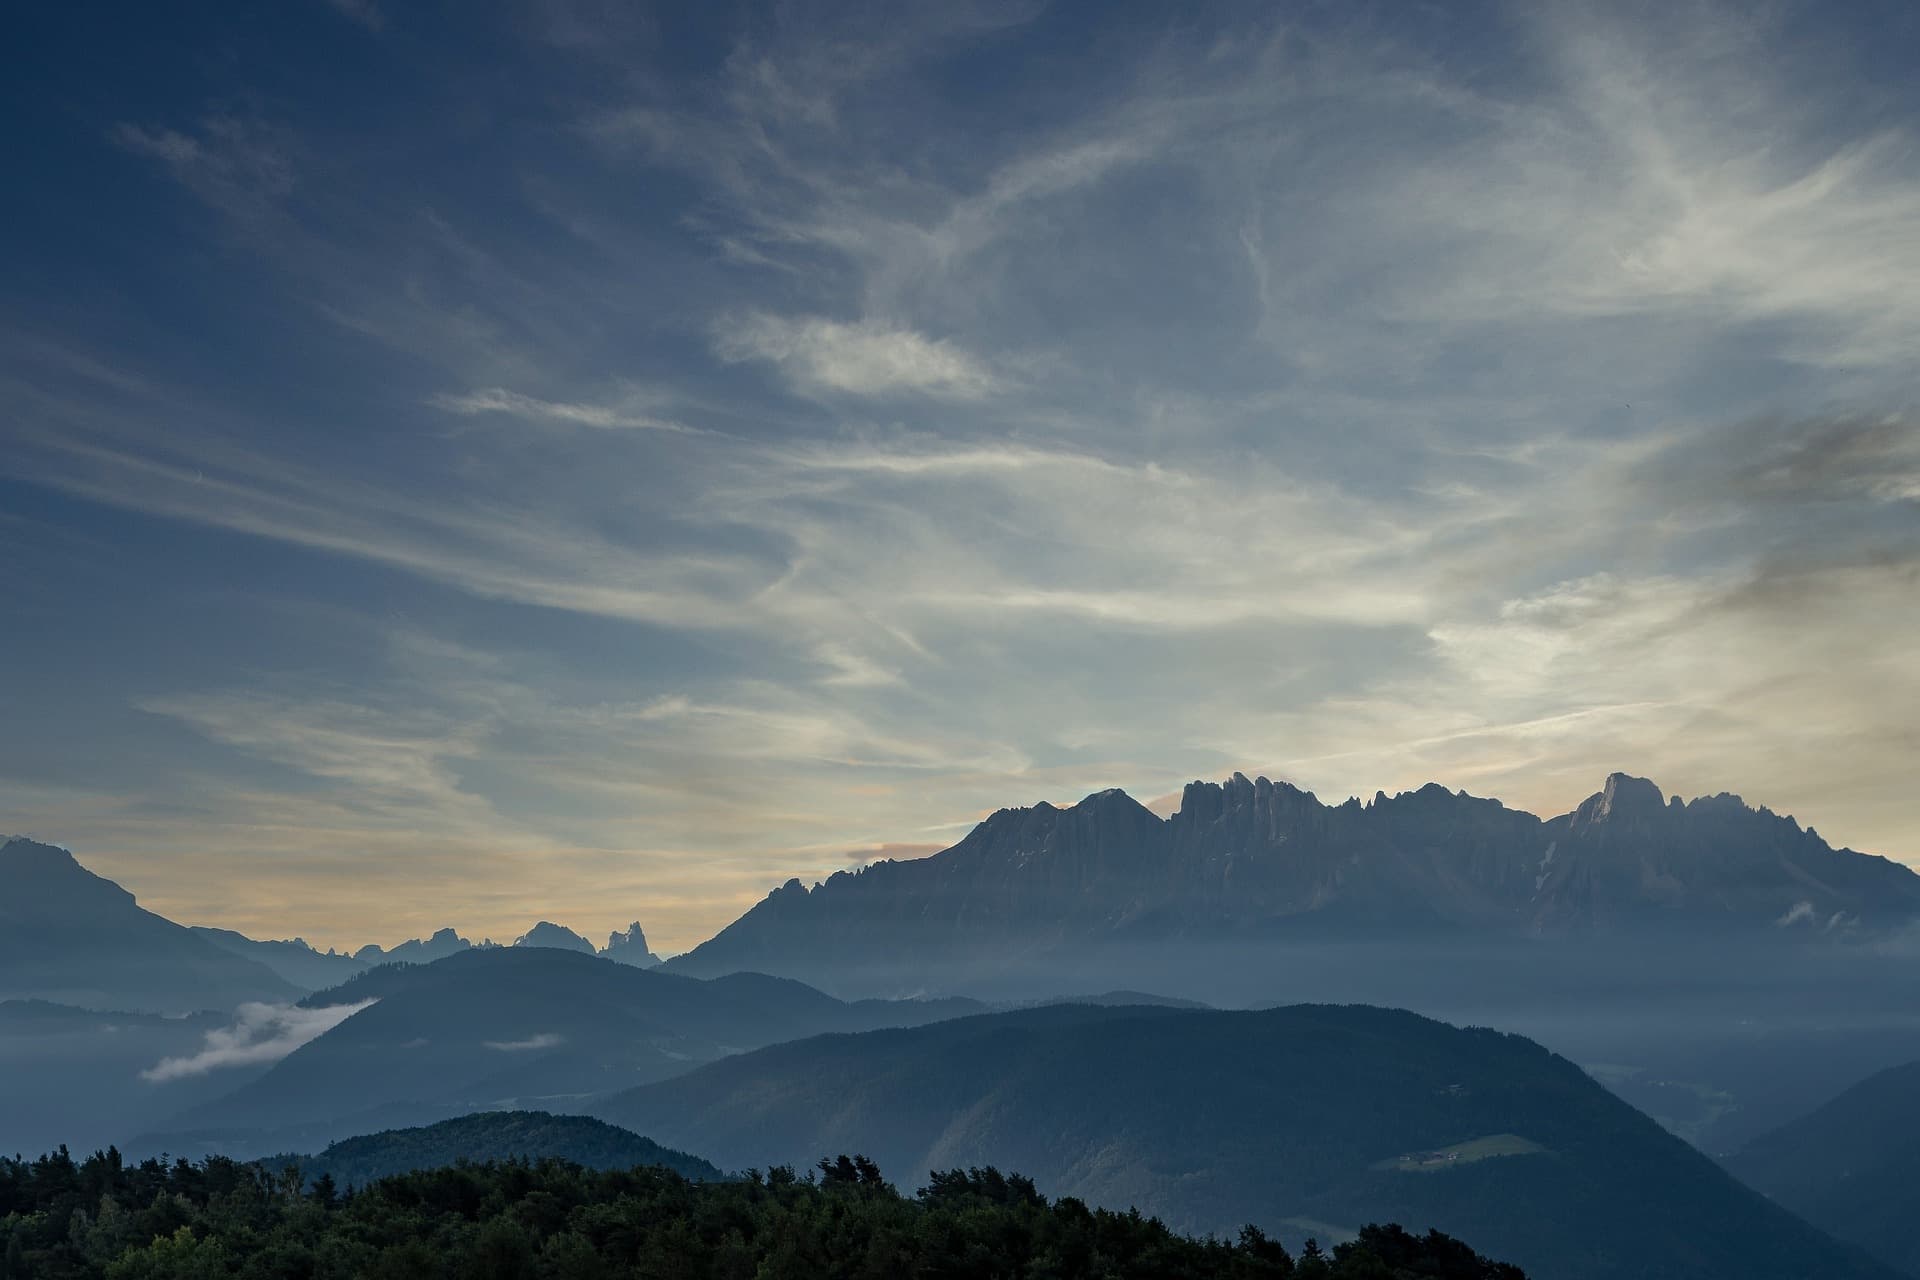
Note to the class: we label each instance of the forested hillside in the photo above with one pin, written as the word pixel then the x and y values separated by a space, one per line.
pixel 99 1218
pixel 1851 1167
pixel 490 1135
pixel 1296 1119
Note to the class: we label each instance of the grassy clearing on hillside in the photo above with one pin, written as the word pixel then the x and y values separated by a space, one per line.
pixel 1498 1144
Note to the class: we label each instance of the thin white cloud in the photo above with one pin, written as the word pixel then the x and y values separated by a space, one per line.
pixel 862 359
pixel 239 165
pixel 544 1040
pixel 498 400
pixel 261 1033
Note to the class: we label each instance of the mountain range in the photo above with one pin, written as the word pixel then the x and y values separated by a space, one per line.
pixel 1307 1120
pixel 294 959
pixel 1255 861
pixel 1244 862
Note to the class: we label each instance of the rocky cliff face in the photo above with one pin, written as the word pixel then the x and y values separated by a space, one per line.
pixel 630 947
pixel 1256 859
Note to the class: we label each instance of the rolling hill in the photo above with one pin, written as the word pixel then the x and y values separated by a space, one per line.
pixel 1851 1167
pixel 508 1028
pixel 1302 1120
pixel 492 1135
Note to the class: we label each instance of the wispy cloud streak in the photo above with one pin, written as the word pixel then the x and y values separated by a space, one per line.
pixel 261 1033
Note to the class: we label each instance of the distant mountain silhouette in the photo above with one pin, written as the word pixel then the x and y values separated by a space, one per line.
pixel 1254 860
pixel 1852 1167
pixel 509 1028
pixel 492 1135
pixel 294 960
pixel 1303 1120
pixel 70 936
pixel 548 934
pixel 442 944
pixel 630 947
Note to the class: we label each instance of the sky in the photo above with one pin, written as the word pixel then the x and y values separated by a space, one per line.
pixel 465 464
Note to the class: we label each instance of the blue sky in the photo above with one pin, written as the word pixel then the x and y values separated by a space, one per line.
pixel 475 463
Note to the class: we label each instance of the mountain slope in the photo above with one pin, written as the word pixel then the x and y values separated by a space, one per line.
pixel 294 960
pixel 1852 1167
pixel 1287 1117
pixel 70 936
pixel 1258 861
pixel 509 1027
pixel 493 1135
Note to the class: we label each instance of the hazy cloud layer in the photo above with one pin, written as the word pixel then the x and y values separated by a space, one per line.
pixel 261 1033
pixel 544 1040
pixel 740 452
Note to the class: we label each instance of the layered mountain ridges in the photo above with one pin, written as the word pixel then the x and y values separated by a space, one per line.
pixel 1253 858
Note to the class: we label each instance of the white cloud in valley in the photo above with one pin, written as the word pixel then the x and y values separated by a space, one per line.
pixel 261 1034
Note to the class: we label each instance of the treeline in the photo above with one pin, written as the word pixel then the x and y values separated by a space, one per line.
pixel 102 1217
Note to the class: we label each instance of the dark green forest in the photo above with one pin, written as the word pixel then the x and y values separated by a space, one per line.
pixel 491 1135
pixel 103 1217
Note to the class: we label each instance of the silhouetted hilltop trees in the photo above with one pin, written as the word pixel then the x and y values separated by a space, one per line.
pixel 100 1217
pixel 491 1135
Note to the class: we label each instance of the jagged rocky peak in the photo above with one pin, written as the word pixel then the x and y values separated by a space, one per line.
pixel 1205 802
pixel 631 936
pixel 629 946
pixel 790 897
pixel 548 934
pixel 1105 815
pixel 1425 798
pixel 1624 802
pixel 1723 802
pixel 1113 802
